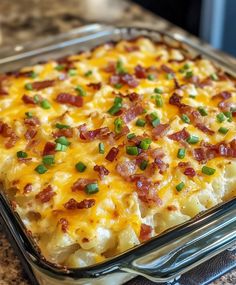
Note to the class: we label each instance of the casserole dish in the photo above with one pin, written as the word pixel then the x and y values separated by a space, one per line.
pixel 180 248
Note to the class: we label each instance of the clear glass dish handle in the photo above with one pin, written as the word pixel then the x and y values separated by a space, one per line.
pixel 186 247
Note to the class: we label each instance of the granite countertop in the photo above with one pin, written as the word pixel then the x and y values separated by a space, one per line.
pixel 24 20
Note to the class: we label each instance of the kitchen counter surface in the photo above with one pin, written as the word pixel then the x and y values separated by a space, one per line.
pixel 48 18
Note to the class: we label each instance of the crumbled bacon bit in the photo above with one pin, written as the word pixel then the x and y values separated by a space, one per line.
pixel 132 113
pixel 46 194
pixel 110 68
pixel 131 48
pixel 160 131
pixel 175 99
pixel 126 169
pixel 172 208
pixel 189 172
pixel 39 85
pixel 67 98
pixel 145 232
pixel 28 188
pixel 64 224
pixel 224 95
pixel 63 133
pixel 177 84
pixel 125 78
pixel 162 166
pixel 28 100
pixel 181 135
pixel 140 72
pixel 102 171
pixel 30 133
pixel 225 106
pixel 156 152
pixel 183 164
pixel 7 132
pixel 167 69
pixel 81 183
pixel 205 82
pixel 133 96
pixel 72 204
pixel 24 160
pixel 95 86
pixel 34 121
pixel 49 148
pixel 210 151
pixel 112 154
pixel 204 129
pixel 146 191
pixel 101 133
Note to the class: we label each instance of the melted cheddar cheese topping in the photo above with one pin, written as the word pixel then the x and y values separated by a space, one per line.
pixel 150 181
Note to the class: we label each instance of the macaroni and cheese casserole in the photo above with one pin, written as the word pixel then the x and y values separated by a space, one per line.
pixel 104 149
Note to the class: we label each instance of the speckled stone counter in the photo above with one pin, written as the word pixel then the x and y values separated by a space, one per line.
pixel 25 20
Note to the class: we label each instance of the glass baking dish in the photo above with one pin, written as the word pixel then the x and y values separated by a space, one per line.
pixel 160 259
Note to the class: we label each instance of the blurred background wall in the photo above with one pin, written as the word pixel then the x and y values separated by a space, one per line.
pixel 212 20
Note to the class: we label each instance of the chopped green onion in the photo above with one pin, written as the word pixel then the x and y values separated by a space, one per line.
pixel 229 116
pixel 120 67
pixel 143 165
pixel 80 90
pixel 182 70
pixel 62 140
pixel 21 154
pixel 192 96
pixel 118 85
pixel 33 74
pixel 91 188
pixel 169 76
pixel 185 119
pixel 202 111
pixel 189 74
pixel 214 77
pixel 41 169
pixel 181 153
pixel 151 77
pixel 72 72
pixel 154 119
pixel 220 117
pixel 140 123
pixel 192 139
pixel 45 104
pixel 118 125
pixel 223 130
pixel 158 90
pixel 159 101
pixel 80 166
pixel 186 66
pixel 36 99
pixel 59 67
pixel 29 114
pixel 156 122
pixel 145 143
pixel 101 148
pixel 130 136
pixel 88 73
pixel 60 147
pixel 28 86
pixel 132 150
pixel 118 100
pixel 116 106
pixel 208 170
pixel 180 186
pixel 48 159
pixel 61 126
